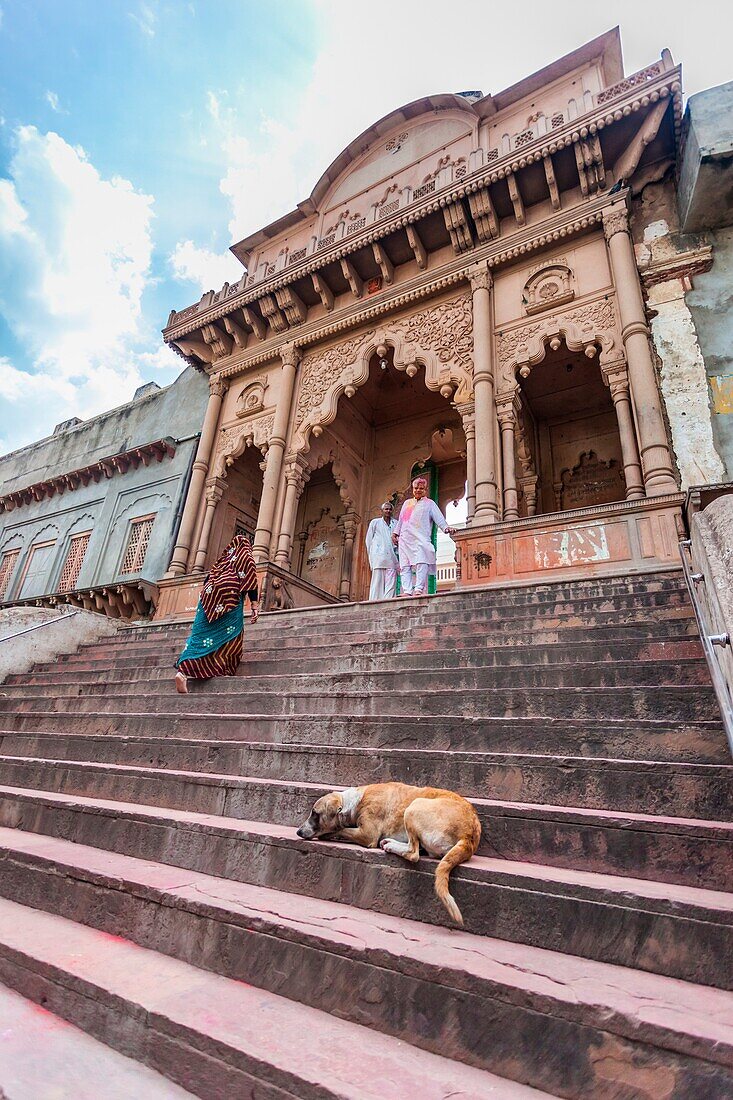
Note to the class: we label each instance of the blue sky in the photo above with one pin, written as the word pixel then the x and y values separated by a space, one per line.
pixel 139 139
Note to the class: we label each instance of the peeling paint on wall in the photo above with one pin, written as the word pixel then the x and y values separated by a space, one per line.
pixel 683 383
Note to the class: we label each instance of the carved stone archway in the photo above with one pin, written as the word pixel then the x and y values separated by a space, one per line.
pixel 437 338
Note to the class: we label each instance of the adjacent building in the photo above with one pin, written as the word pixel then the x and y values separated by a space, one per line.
pixel 90 514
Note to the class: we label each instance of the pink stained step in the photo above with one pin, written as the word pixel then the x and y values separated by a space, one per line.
pixel 43 1057
pixel 213 1033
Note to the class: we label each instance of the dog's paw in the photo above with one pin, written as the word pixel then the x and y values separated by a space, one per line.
pixel 384 844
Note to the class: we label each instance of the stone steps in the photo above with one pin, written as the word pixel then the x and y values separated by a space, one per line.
pixel 579 718
pixel 664 703
pixel 684 671
pixel 660 652
pixel 220 1037
pixel 43 1056
pixel 632 739
pixel 515 1011
pixel 290 779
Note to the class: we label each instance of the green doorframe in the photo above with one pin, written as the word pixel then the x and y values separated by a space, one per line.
pixel 430 471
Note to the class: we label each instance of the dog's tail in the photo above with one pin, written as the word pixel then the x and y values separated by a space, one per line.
pixel 459 853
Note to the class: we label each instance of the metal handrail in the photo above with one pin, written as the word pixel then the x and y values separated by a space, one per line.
pixel 37 626
pixel 709 642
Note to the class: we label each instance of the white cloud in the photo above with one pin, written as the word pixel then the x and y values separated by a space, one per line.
pixel 53 101
pixel 75 252
pixel 208 270
pixel 145 18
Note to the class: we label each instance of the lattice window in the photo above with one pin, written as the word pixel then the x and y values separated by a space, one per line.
pixel 461 171
pixel 390 208
pixel 523 139
pixel 326 242
pixel 74 561
pixel 7 565
pixel 355 226
pixel 425 189
pixel 297 256
pixel 493 154
pixel 557 120
pixel 137 544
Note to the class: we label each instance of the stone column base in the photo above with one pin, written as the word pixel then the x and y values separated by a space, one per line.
pixel 608 539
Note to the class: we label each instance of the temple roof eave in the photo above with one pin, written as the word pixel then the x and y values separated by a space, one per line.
pixel 607 46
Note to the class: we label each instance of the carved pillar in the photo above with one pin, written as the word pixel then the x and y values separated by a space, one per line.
pixel 217 388
pixel 655 457
pixel 468 419
pixel 214 492
pixel 507 421
pixel 296 476
pixel 617 379
pixel 290 356
pixel 487 509
pixel 349 524
pixel 529 488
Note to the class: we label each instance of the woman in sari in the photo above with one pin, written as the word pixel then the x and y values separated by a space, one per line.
pixel 214 646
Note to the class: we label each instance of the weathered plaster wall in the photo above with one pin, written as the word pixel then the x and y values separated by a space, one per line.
pixel 711 306
pixel 105 507
pixel 667 260
pixel 712 550
pixel 58 632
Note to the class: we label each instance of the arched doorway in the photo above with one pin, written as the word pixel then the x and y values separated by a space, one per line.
pixel 381 431
pixel 567 443
pixel 239 489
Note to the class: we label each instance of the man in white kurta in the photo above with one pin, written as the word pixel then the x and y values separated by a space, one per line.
pixel 413 535
pixel 382 554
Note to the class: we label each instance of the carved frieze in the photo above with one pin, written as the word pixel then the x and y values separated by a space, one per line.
pixel 446 329
pixel 320 372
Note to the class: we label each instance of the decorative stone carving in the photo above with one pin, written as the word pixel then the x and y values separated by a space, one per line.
pixel 615 221
pixel 252 397
pixel 582 329
pixel 233 441
pixel 439 337
pixel 547 288
pixel 592 480
pixel 218 387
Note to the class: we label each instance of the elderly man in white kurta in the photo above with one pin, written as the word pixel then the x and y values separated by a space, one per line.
pixel 413 535
pixel 382 556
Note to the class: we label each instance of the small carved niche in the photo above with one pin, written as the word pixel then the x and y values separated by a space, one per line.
pixel 548 287
pixel 591 481
pixel 252 398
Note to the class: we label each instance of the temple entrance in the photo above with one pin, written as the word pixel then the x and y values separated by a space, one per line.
pixel 568 448
pixel 384 430
pixel 238 509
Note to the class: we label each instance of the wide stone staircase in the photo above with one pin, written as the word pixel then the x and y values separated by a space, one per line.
pixel 154 895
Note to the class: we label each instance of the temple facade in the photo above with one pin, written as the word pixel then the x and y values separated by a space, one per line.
pixel 462 293
pixel 502 291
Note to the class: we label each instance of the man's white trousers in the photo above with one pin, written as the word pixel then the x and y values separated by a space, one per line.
pixel 421 579
pixel 384 582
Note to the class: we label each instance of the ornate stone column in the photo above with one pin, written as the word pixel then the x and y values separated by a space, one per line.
pixel 217 388
pixel 349 524
pixel 290 356
pixel 487 509
pixel 214 492
pixel 296 476
pixel 617 379
pixel 655 457
pixel 468 420
pixel 507 412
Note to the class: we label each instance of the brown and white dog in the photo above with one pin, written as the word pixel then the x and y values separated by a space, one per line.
pixel 401 820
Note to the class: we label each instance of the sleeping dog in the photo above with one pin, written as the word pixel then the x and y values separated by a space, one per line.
pixel 401 820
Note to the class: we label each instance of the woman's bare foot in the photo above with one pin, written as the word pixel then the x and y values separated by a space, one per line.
pixel 181 684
